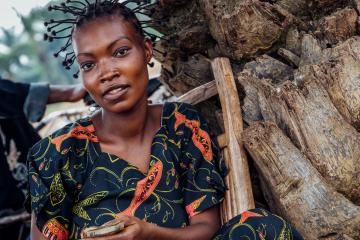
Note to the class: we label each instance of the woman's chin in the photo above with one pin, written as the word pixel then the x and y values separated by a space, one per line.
pixel 123 106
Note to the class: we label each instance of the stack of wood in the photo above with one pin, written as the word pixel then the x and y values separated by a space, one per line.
pixel 297 65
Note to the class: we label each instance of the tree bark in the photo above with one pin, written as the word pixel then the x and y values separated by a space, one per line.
pixel 307 114
pixel 297 190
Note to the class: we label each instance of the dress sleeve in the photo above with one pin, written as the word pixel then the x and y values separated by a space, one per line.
pixel 13 96
pixel 204 168
pixel 36 100
pixel 47 194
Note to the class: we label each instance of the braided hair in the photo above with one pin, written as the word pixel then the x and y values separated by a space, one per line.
pixel 82 11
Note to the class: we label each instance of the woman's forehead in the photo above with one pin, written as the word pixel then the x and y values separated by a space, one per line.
pixel 102 30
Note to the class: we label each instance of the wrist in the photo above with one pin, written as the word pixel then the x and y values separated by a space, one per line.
pixel 151 231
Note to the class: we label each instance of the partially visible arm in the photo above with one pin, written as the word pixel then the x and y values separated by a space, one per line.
pixel 35 232
pixel 41 94
pixel 202 227
pixel 66 93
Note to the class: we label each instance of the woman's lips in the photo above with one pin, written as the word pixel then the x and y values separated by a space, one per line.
pixel 115 93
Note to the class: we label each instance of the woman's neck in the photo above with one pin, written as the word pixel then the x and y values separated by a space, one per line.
pixel 129 126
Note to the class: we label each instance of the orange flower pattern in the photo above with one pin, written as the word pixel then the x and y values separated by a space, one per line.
pixel 200 137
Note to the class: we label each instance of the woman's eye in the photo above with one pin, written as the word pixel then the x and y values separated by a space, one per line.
pixel 121 52
pixel 86 66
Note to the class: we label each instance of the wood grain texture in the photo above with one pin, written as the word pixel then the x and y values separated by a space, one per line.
pixel 307 115
pixel 199 94
pixel 295 188
pixel 239 176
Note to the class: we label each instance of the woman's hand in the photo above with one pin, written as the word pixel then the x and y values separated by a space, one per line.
pixel 134 229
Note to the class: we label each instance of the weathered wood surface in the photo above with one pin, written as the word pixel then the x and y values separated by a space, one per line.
pixel 297 190
pixel 298 7
pixel 199 94
pixel 336 27
pixel 289 56
pixel 182 75
pixel 268 43
pixel 240 184
pixel 340 76
pixel 306 113
pixel 310 50
pixel 244 28
pixel 266 67
pixel 251 108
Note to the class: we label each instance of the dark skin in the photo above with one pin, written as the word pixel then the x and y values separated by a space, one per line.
pixel 114 72
pixel 66 93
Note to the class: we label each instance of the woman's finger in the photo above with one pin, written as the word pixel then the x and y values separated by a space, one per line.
pixel 127 220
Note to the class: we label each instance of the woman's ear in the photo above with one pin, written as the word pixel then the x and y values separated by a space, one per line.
pixel 148 49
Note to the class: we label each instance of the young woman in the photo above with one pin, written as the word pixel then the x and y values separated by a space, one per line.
pixel 153 167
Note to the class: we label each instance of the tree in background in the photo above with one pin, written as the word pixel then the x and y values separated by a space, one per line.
pixel 27 57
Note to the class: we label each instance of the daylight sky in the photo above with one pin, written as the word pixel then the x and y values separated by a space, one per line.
pixel 8 16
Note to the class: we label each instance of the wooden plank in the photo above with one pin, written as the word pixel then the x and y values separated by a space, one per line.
pixel 199 94
pixel 239 169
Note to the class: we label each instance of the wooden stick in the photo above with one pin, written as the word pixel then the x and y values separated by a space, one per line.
pixel 199 94
pixel 240 176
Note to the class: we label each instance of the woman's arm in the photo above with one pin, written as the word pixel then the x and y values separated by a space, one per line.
pixel 35 232
pixel 202 227
pixel 66 93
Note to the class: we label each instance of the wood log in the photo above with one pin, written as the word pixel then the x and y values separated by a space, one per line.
pixel 297 190
pixel 310 50
pixel 266 67
pixel 340 76
pixel 319 8
pixel 337 27
pixel 350 46
pixel 298 8
pixel 289 56
pixel 307 115
pixel 357 5
pixel 237 161
pixel 244 28
pixel 293 41
pixel 250 108
pixel 199 94
pixel 182 75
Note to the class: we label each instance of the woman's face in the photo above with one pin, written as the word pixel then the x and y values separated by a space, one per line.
pixel 113 61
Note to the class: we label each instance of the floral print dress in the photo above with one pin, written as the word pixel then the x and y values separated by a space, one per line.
pixel 74 184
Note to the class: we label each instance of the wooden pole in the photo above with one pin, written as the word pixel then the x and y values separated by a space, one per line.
pixel 199 94
pixel 239 176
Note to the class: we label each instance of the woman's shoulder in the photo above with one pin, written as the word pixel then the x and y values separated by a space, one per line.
pixel 176 109
pixel 181 119
pixel 61 141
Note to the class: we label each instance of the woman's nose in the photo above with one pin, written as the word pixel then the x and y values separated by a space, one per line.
pixel 107 72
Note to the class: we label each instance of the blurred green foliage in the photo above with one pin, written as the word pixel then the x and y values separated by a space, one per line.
pixel 26 57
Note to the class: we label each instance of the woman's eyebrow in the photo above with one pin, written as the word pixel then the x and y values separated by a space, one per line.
pixel 109 46
pixel 118 39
